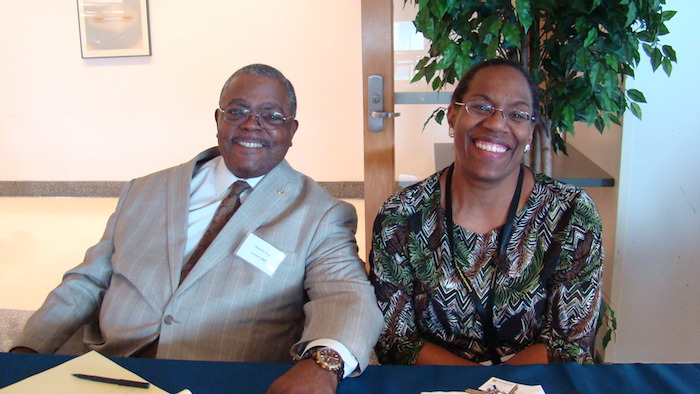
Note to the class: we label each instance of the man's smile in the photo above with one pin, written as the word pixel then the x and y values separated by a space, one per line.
pixel 250 143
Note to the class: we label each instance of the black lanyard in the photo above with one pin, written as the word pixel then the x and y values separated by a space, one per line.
pixel 490 334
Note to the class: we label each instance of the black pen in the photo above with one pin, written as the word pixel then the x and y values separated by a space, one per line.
pixel 121 382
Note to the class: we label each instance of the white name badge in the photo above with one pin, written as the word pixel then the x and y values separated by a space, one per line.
pixel 261 254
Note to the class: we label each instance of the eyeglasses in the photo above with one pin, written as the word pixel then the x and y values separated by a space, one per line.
pixel 268 120
pixel 483 110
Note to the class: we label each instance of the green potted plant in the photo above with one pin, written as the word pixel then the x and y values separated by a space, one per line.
pixel 578 52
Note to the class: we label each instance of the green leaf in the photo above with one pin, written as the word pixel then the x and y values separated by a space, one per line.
pixel 418 76
pixel 448 56
pixel 590 37
pixel 523 10
pixel 631 14
pixel 569 114
pixel 667 66
pixel 594 73
pixel 437 83
pixel 656 58
pixel 669 52
pixel 667 15
pixel 442 8
pixel 612 61
pixel 440 115
pixel 607 338
pixel 581 24
pixel 613 319
pixel 422 62
pixel 604 100
pixel 485 28
pixel 636 95
pixel 600 124
pixel 511 34
pixel 627 70
pixel 492 48
pixel 495 27
pixel 636 110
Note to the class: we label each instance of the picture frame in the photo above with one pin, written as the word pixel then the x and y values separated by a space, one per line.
pixel 113 28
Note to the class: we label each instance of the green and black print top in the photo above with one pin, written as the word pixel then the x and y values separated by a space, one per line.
pixel 423 299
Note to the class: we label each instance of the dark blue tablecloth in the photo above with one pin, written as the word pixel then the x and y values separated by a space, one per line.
pixel 221 377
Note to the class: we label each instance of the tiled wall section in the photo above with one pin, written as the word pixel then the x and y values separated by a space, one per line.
pixel 113 189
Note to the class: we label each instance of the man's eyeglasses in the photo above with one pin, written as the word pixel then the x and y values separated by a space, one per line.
pixel 483 110
pixel 268 120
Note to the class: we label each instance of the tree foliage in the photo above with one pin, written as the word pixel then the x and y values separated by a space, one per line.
pixel 578 51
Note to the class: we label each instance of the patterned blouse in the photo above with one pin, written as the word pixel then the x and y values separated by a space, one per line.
pixel 424 300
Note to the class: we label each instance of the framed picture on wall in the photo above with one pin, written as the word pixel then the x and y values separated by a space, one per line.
pixel 113 28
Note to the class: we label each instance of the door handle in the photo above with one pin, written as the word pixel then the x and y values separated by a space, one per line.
pixel 375 100
pixel 376 114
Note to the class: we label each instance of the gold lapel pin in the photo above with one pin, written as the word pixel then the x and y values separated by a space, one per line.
pixel 281 192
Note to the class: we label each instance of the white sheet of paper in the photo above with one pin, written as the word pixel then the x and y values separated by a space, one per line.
pixel 503 386
pixel 511 387
pixel 59 379
pixel 261 254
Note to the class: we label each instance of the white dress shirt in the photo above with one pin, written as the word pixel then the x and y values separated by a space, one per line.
pixel 209 187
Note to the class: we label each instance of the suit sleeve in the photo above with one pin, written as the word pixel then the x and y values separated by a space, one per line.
pixel 342 305
pixel 76 301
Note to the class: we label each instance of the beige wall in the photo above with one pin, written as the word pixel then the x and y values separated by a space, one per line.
pixel 67 118
pixel 604 150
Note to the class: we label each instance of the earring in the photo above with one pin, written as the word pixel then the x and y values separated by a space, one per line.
pixel 527 148
pixel 451 132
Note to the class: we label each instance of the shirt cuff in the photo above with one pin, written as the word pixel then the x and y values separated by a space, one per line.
pixel 349 361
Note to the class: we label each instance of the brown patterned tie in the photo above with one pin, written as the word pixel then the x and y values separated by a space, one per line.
pixel 223 213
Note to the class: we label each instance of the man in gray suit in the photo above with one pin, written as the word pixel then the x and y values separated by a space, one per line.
pixel 282 276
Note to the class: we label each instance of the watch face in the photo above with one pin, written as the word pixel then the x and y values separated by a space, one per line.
pixel 330 357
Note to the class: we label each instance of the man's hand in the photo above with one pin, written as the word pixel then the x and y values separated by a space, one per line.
pixel 305 377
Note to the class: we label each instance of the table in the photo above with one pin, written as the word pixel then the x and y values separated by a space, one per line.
pixel 226 377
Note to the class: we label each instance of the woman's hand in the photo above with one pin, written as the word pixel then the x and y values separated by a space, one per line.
pixel 432 354
pixel 533 354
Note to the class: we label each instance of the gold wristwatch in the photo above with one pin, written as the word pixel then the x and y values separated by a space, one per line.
pixel 328 359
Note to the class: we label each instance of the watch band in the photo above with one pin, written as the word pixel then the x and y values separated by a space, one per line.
pixel 328 359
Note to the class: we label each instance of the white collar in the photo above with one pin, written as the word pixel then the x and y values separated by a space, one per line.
pixel 223 178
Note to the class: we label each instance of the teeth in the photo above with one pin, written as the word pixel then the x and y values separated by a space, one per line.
pixel 490 147
pixel 251 144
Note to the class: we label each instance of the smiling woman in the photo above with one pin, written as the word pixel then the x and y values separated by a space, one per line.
pixel 488 261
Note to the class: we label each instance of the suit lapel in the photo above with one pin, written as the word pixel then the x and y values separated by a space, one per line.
pixel 275 192
pixel 177 209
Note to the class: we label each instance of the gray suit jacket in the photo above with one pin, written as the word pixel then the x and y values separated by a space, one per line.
pixel 127 292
